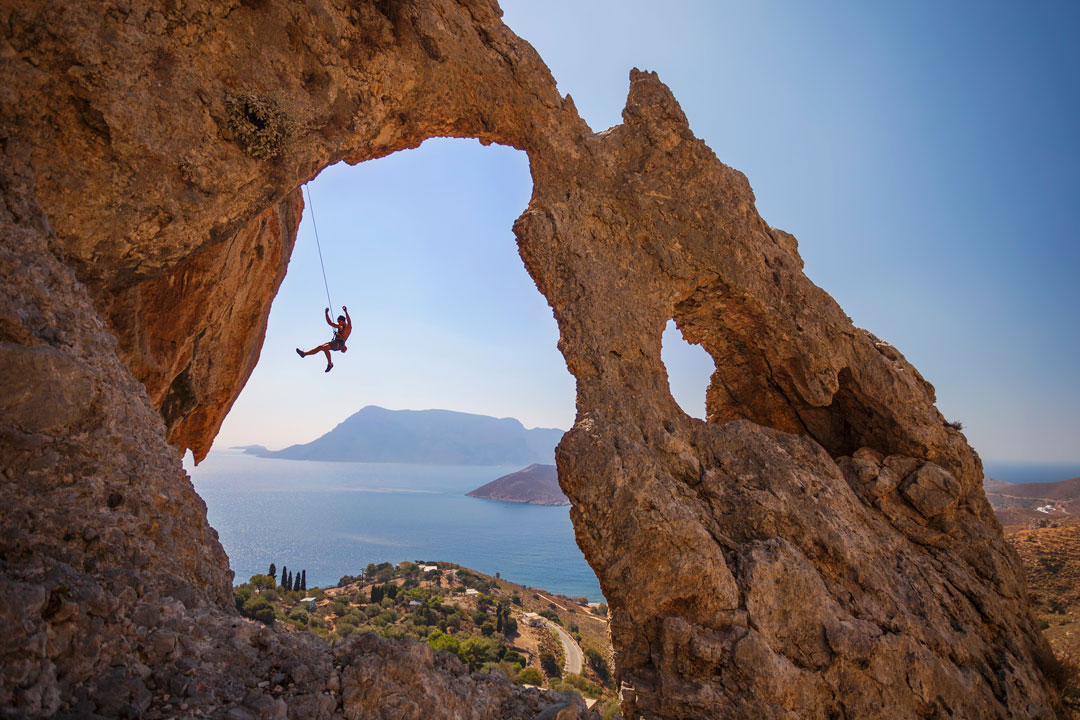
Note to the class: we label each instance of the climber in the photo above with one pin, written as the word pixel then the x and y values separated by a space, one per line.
pixel 342 329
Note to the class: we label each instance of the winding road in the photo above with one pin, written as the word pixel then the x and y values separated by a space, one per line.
pixel 570 647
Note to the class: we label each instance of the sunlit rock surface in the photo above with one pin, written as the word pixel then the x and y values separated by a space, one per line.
pixel 820 548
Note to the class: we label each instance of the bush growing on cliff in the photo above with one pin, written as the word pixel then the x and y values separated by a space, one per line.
pixel 259 124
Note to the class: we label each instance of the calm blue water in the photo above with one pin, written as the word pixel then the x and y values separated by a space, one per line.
pixel 335 518
pixel 1026 472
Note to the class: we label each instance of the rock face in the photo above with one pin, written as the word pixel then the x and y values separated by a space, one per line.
pixel 821 547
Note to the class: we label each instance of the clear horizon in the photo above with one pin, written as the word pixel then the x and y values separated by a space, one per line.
pixel 924 156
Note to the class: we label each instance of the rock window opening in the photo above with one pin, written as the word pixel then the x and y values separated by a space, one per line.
pixel 419 246
pixel 689 369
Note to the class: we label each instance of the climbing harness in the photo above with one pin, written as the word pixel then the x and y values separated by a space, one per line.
pixel 311 206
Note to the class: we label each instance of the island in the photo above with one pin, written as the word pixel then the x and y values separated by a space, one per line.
pixel 424 437
pixel 537 484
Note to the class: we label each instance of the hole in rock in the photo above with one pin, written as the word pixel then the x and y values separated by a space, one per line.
pixel 689 369
pixel 419 246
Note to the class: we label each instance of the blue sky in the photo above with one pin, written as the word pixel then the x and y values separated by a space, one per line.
pixel 924 154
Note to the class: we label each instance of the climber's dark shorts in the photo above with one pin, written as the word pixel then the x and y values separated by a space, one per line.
pixel 337 344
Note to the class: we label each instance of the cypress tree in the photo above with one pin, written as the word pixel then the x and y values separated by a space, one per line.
pixel 273 572
pixel 284 577
pixel 303 580
pixel 290 585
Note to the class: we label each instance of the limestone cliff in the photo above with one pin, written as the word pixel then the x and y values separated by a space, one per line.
pixel 821 547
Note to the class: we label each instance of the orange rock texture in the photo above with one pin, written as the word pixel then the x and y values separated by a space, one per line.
pixel 821 547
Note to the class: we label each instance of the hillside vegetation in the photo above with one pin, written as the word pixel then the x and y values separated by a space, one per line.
pixel 490 624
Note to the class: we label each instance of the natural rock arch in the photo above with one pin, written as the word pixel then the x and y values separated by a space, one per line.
pixel 822 547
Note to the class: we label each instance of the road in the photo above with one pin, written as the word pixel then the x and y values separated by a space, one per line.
pixel 570 648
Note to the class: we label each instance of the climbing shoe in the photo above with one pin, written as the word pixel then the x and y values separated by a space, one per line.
pixel 329 367
pixel 299 352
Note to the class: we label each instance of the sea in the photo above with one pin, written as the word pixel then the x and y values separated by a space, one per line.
pixel 333 518
pixel 1029 472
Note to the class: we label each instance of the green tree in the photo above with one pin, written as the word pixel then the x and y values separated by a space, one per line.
pixel 510 627
pixel 487 629
pixel 303 580
pixel 257 608
pixel 475 651
pixel 241 594
pixel 376 594
pixel 440 641
pixel 285 578
pixel 262 582
pixel 273 572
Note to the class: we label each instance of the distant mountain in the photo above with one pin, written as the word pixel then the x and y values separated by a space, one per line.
pixel 536 484
pixel 1022 504
pixel 425 437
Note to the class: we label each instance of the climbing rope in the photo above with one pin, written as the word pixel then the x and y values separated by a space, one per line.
pixel 311 206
